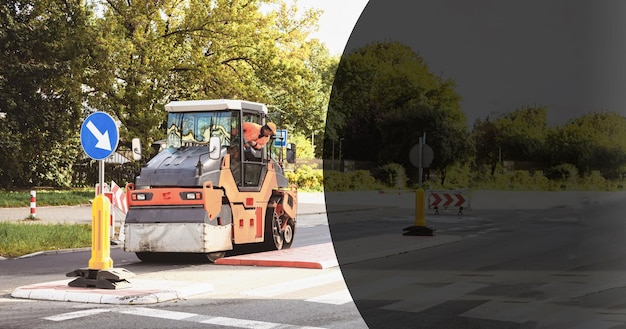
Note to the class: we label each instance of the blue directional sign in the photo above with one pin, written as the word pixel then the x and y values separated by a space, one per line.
pixel 281 138
pixel 99 135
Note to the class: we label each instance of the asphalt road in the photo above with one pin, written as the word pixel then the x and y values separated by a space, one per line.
pixel 557 267
pixel 558 264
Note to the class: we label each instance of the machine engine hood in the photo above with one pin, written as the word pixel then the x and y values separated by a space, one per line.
pixel 179 167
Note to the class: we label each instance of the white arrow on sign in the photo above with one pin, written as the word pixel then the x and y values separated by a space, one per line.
pixel 103 139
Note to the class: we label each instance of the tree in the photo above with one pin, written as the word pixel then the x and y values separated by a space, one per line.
pixel 522 133
pixel 44 46
pixel 152 52
pixel 594 141
pixel 384 98
pixel 129 58
pixel 516 136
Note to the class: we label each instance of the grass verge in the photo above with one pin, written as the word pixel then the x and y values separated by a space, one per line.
pixel 46 198
pixel 22 238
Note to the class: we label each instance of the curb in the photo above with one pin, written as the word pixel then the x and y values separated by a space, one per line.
pixel 141 292
pixel 54 252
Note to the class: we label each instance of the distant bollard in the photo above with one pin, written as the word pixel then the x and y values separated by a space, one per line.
pixel 33 204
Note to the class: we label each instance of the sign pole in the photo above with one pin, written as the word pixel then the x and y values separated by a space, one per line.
pixel 99 137
pixel 101 175
pixel 420 160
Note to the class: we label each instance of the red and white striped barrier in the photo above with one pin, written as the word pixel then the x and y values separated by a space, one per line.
pixel 448 199
pixel 119 197
pixel 119 206
pixel 33 204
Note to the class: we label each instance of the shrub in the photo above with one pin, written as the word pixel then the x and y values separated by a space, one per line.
pixel 336 181
pixel 306 177
pixel 594 181
pixel 356 180
pixel 361 180
pixel 391 174
pixel 459 175
pixel 565 172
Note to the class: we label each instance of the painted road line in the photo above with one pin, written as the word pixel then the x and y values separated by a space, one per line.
pixel 77 314
pixel 14 300
pixel 180 316
pixel 294 285
pixel 250 324
pixel 336 298
pixel 157 313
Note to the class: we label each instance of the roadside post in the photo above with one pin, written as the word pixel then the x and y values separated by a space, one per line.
pixel 99 137
pixel 421 156
pixel 33 204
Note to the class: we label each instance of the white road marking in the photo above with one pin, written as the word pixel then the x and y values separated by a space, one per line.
pixel 294 285
pixel 77 314
pixel 179 316
pixel 156 313
pixel 249 324
pixel 336 298
pixel 15 300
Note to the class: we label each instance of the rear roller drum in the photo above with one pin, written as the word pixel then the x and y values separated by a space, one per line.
pixel 279 230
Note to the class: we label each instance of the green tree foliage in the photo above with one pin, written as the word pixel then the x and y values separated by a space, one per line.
pixel 522 133
pixel 385 98
pixel 44 48
pixel 516 136
pixel 594 141
pixel 152 52
pixel 304 149
pixel 64 59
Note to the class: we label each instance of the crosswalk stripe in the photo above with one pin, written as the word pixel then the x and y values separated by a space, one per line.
pixel 14 300
pixel 77 314
pixel 154 313
pixel 180 316
pixel 336 298
pixel 294 285
pixel 250 324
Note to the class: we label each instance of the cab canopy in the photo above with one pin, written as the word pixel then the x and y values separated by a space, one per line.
pixel 215 105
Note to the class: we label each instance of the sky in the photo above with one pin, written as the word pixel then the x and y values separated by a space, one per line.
pixel 565 55
pixel 336 22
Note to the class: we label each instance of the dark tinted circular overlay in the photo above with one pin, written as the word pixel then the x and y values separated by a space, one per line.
pixel 474 164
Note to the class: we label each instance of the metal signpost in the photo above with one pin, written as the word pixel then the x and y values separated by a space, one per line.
pixel 421 156
pixel 99 137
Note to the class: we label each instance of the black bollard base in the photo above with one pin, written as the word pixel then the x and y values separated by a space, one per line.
pixel 113 278
pixel 418 231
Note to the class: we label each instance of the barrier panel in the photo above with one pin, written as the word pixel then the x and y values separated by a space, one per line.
pixel 457 199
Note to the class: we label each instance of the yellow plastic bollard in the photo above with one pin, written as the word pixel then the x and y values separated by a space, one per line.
pixel 420 208
pixel 100 245
pixel 419 226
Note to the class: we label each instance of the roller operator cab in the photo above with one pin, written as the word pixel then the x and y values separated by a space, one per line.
pixel 205 192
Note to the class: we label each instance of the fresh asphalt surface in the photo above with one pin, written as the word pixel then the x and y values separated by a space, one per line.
pixel 523 261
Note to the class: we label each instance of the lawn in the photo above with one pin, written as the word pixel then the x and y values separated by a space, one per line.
pixel 46 197
pixel 25 237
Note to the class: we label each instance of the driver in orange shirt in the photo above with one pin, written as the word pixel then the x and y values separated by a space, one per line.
pixel 257 135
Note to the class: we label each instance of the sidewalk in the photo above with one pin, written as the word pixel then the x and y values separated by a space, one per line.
pixel 308 203
pixel 314 202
